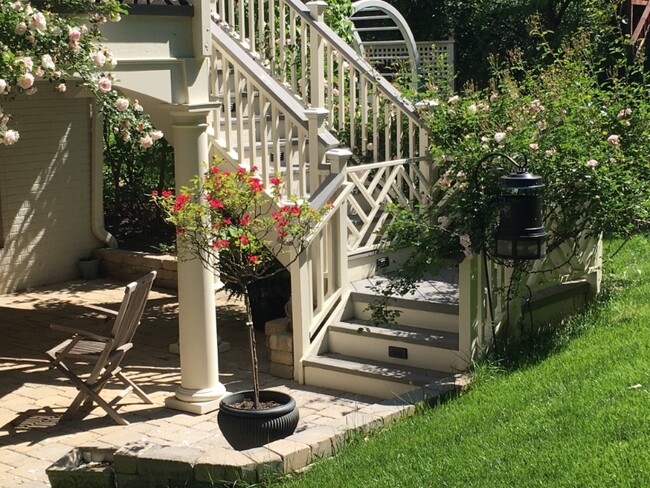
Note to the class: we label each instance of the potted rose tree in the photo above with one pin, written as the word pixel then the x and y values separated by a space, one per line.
pixel 237 228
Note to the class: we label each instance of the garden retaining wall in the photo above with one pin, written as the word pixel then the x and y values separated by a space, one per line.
pixel 126 265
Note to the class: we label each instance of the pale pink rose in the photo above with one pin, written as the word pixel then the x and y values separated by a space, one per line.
pixel 484 139
pixel 104 84
pixel 453 99
pixel 47 62
pixel 550 152
pixel 157 134
pixel 84 29
pixel 624 113
pixel 31 91
pixel 10 137
pixel 57 74
pixel 460 176
pixel 614 139
pixel 444 180
pixel 99 58
pixel 536 106
pixel 17 5
pixel 510 128
pixel 74 46
pixel 39 73
pixel 592 163
pixel 493 96
pixel 370 146
pixel 61 88
pixel 21 28
pixel 126 136
pixel 146 141
pixel 25 81
pixel 121 104
pixel 472 109
pixel 465 242
pixel 335 92
pixel 499 136
pixel 74 34
pixel 38 22
pixel 3 85
pixel 110 62
pixel 533 146
pixel 27 62
pixel 137 107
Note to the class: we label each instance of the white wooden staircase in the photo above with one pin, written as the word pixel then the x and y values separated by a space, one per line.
pixel 288 96
pixel 420 348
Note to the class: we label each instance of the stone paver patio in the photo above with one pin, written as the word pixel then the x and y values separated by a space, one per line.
pixel 32 398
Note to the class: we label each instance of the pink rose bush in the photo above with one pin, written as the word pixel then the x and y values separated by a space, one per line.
pixel 579 124
pixel 42 45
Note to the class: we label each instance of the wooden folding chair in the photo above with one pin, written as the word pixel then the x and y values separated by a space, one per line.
pixel 103 353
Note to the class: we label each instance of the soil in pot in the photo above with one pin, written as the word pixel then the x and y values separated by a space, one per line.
pixel 245 428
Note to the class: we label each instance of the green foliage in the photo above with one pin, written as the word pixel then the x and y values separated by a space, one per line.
pixel 487 29
pixel 337 17
pixel 581 126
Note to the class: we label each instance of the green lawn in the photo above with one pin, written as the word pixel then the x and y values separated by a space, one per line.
pixel 576 415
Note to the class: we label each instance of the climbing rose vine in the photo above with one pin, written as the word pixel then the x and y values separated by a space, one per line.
pixel 41 45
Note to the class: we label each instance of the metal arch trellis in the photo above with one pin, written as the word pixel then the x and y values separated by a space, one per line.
pixel 386 11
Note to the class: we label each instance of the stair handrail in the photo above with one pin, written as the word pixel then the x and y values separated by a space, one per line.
pixel 365 82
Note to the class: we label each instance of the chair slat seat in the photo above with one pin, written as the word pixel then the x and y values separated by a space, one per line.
pixel 82 349
pixel 104 354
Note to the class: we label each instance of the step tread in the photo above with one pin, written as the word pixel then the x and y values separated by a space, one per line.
pixel 380 370
pixel 399 333
pixel 436 304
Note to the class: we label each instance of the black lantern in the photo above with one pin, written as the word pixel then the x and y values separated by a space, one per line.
pixel 520 234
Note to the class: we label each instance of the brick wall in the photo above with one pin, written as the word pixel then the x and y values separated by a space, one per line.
pixel 45 197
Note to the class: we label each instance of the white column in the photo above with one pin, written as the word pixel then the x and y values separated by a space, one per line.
pixel 200 390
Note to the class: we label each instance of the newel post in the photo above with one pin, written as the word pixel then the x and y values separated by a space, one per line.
pixel 316 118
pixel 316 47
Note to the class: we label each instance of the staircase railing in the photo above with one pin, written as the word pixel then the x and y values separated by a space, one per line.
pixel 257 124
pixel 319 276
pixel 376 185
pixel 368 114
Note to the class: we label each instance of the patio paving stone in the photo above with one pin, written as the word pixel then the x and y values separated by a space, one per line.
pixel 32 398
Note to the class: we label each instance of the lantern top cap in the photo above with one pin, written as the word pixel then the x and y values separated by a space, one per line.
pixel 522 179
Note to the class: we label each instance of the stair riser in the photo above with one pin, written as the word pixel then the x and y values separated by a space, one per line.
pixel 376 348
pixel 373 387
pixel 415 318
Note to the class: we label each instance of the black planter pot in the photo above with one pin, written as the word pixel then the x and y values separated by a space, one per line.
pixel 245 429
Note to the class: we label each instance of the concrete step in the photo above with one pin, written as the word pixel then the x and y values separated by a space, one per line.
pixel 401 345
pixel 431 315
pixel 369 377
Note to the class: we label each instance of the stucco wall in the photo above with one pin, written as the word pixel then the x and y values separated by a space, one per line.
pixel 45 190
